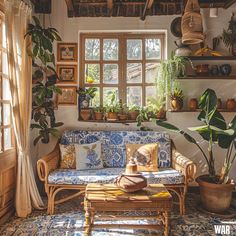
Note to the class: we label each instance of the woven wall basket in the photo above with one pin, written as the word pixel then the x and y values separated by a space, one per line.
pixel 191 24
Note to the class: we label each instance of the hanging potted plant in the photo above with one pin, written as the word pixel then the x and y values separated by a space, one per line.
pixel 44 80
pixel 215 188
pixel 229 36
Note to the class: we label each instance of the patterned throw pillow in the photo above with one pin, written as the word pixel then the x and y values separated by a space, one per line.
pixel 88 156
pixel 145 155
pixel 67 156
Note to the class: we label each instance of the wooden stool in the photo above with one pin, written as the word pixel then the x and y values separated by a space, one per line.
pixel 109 198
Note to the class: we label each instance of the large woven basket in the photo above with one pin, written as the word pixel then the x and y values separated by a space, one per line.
pixel 191 24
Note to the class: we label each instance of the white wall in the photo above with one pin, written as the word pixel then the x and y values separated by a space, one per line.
pixel 69 29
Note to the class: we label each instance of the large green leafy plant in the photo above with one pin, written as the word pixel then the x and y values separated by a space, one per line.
pixel 44 78
pixel 229 35
pixel 215 131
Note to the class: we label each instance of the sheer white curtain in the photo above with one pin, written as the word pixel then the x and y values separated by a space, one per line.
pixel 17 17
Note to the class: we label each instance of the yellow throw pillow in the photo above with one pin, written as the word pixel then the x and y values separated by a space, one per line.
pixel 145 155
pixel 67 156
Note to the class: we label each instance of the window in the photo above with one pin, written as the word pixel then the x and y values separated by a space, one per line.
pixel 6 131
pixel 123 62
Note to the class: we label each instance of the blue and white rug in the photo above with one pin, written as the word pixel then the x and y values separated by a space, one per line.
pixel 69 220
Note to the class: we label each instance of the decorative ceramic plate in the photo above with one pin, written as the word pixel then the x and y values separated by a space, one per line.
pixel 175 27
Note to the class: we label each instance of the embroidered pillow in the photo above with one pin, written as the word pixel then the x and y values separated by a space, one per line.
pixel 145 155
pixel 88 156
pixel 67 156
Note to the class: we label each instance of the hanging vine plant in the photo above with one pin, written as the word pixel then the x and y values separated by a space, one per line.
pixel 44 79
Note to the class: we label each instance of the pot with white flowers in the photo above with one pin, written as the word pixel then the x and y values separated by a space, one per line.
pixel 215 187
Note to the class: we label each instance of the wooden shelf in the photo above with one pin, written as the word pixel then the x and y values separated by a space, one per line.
pixel 212 58
pixel 109 121
pixel 207 77
pixel 198 110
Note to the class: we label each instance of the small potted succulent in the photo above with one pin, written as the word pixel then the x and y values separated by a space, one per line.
pixel 123 113
pixel 177 99
pixel 133 112
pixel 99 112
pixel 112 107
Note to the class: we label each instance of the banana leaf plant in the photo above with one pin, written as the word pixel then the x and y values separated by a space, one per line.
pixel 215 131
pixel 44 61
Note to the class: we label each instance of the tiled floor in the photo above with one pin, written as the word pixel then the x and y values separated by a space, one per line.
pixel 69 219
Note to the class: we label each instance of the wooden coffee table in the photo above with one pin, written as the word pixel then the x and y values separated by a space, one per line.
pixel 105 198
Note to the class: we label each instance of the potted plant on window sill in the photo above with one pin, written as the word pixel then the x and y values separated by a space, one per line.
pixel 215 188
pixel 112 107
pixel 133 112
pixel 123 113
pixel 84 99
pixel 99 113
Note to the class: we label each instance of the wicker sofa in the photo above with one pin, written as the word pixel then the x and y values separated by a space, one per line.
pixel 175 171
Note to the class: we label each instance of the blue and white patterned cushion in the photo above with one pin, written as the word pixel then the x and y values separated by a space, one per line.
pixel 113 144
pixel 108 175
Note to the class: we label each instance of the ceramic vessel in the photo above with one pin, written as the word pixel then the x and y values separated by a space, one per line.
pixel 219 103
pixel 225 69
pixel 230 104
pixel 202 69
pixel 182 49
pixel 123 116
pixel 214 70
pixel 193 104
pixel 131 180
pixel 176 104
pixel 133 115
pixel 85 114
pixel 215 198
pixel 112 116
pixel 98 115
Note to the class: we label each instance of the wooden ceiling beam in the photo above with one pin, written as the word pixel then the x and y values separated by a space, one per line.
pixel 110 4
pixel 229 3
pixel 147 6
pixel 70 8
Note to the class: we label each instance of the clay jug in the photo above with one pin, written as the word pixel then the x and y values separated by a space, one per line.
pixel 131 180
pixel 230 104
pixel 193 104
pixel 182 49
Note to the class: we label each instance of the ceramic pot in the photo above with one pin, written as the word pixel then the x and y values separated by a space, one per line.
pixel 219 103
pixel 131 180
pixel 230 104
pixel 214 70
pixel 112 116
pixel 182 49
pixel 122 117
pixel 98 115
pixel 85 114
pixel 225 69
pixel 202 69
pixel 176 104
pixel 193 104
pixel 215 198
pixel 133 115
pixel 161 114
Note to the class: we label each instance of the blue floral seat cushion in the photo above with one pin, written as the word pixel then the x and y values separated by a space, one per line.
pixel 108 175
pixel 114 144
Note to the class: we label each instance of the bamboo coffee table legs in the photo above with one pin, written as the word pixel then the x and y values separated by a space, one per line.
pixel 89 217
pixel 166 222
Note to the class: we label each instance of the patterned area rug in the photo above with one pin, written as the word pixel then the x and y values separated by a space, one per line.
pixel 69 220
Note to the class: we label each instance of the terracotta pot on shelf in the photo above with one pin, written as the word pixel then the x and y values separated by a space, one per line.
pixel 133 115
pixel 98 115
pixel 215 198
pixel 231 104
pixel 193 104
pixel 219 103
pixel 161 114
pixel 85 114
pixel 176 104
pixel 112 116
pixel 202 69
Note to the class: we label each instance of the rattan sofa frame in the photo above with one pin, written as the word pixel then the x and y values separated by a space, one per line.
pixel 50 162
